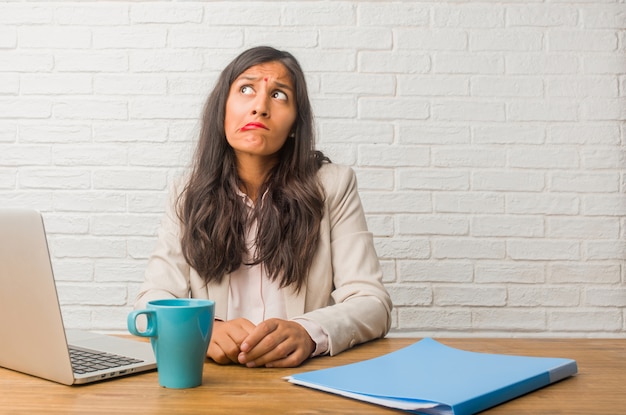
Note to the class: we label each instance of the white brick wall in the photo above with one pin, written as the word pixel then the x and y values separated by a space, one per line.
pixel 488 138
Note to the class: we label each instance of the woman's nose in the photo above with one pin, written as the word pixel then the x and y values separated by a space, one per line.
pixel 261 106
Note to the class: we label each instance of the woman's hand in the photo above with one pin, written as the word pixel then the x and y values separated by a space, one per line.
pixel 276 343
pixel 226 339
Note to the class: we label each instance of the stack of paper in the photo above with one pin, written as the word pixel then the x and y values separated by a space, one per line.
pixel 431 378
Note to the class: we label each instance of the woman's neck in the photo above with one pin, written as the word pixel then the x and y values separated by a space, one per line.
pixel 253 172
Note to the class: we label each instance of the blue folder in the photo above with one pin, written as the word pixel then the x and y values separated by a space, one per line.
pixel 431 378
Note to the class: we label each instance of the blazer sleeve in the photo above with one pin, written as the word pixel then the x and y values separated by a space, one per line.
pixel 359 309
pixel 167 273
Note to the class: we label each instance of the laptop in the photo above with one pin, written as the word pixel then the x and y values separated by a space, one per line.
pixel 33 339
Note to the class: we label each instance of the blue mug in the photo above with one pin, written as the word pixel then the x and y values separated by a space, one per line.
pixel 180 331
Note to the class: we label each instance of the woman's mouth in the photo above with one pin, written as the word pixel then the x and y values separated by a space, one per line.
pixel 254 126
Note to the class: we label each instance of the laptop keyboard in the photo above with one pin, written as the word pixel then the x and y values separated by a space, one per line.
pixel 87 361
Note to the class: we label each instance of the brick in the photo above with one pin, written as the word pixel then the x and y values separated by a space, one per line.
pixel 581 40
pixel 341 131
pixel 467 248
pixel 54 37
pixel 584 182
pixel 482 296
pixel 30 61
pixel 432 225
pixel 91 294
pixel 465 202
pixel 517 181
pixel 324 14
pixel 8 38
pixel 542 63
pixel 393 14
pixel 355 37
pixel 606 134
pixel 461 63
pixel 402 248
pixel 92 15
pixel 585 321
pixel 585 273
pixel 334 106
pixel 604 205
pixel 288 38
pixel 435 319
pixel 469 16
pixel 25 108
pixel 429 39
pixel 159 155
pixel 513 226
pixel 476 156
pixel 44 84
pixel 543 249
pixel 394 156
pixel 508 134
pixel 421 179
pixel 66 224
pixel 540 110
pixel 327 61
pixel 578 87
pixel 73 270
pixel 24 155
pixel 88 155
pixel 394 108
pixel 371 84
pixel 167 60
pixel 426 134
pixel 130 131
pixel 140 248
pixel 393 62
pixel 582 228
pixel 141 37
pixel 542 203
pixel 49 132
pixel 91 61
pixel 599 109
pixel 165 108
pixel 505 86
pixel 410 294
pixel 129 179
pixel 510 272
pixel 435 86
pixel 396 202
pixel 468 110
pixel 54 178
pixel 435 271
pixel 380 225
pixel 509 40
pixel 89 201
pixel 88 247
pixel 540 297
pixel 19 14
pixel 605 297
pixel 603 158
pixel 542 16
pixel 121 225
pixel 119 271
pixel 604 250
pixel 522 319
pixel 182 36
pixel 166 13
pixel 147 202
pixel 544 157
pixel 375 179
pixel 100 109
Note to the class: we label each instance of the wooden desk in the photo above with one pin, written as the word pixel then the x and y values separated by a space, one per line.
pixel 599 388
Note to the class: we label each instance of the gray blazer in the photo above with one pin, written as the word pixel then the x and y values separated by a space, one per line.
pixel 344 293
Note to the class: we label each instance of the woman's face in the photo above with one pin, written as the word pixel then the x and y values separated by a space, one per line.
pixel 260 111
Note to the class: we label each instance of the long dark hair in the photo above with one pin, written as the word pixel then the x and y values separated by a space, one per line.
pixel 215 219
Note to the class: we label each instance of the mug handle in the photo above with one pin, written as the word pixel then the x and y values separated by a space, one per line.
pixel 151 329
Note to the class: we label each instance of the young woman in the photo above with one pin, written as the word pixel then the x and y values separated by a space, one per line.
pixel 268 228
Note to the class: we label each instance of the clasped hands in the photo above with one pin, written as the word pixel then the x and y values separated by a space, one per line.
pixel 273 343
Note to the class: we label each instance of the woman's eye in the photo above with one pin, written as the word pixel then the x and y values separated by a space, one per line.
pixel 246 90
pixel 279 95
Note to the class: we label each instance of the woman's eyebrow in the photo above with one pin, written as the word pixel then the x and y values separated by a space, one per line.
pixel 279 84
